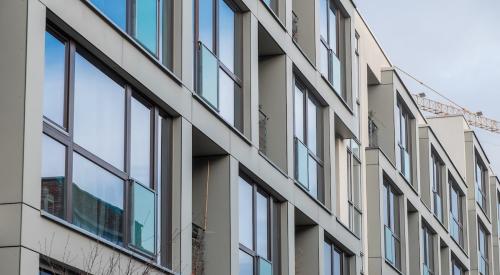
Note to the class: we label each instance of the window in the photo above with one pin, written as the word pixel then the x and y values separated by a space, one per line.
pixel 403 139
pixel 428 250
pixel 273 5
pixel 99 171
pixel 218 32
pixel 259 226
pixel 482 250
pixel 456 213
pixel 456 268
pixel 481 184
pixel 392 226
pixel 308 141
pixel 148 21
pixel 437 186
pixel 331 36
pixel 354 187
pixel 335 260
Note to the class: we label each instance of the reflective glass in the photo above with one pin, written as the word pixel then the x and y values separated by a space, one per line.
pixel 337 74
pixel 209 77
pixel 53 176
pixel 140 142
pixel 389 246
pixel 246 264
pixel 99 113
pixel 265 267
pixel 206 23
pixel 226 92
pixel 333 29
pixel 312 126
pixel 53 86
pixel 143 219
pixel 324 61
pixel 246 214
pixel 327 259
pixel 116 10
pixel 323 23
pixel 97 200
pixel 262 225
pixel 313 177
pixel 301 164
pixel 337 263
pixel 299 113
pixel 146 27
pixel 226 35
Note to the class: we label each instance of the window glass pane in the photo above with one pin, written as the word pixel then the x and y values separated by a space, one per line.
pixel 53 86
pixel 206 23
pixel 143 219
pixel 262 226
pixel 324 61
pixel 226 35
pixel 246 264
pixel 246 214
pixel 265 267
pixel 336 75
pixel 53 176
pixel 299 114
pixel 209 77
pixel 356 179
pixel 389 245
pixel 323 23
pixel 97 200
pixel 312 126
pixel 140 142
pixel 327 259
pixel 166 32
pixel 301 159
pixel 99 113
pixel 115 10
pixel 226 90
pixel 337 263
pixel 313 177
pixel 333 29
pixel 146 27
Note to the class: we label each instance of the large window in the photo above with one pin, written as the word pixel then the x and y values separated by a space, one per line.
pixel 456 213
pixel 148 21
pixel 392 228
pixel 218 38
pixel 482 248
pixel 481 184
pixel 99 170
pixel 331 36
pixel 354 187
pixel 308 141
pixel 403 139
pixel 437 185
pixel 428 251
pixel 456 268
pixel 259 226
pixel 335 260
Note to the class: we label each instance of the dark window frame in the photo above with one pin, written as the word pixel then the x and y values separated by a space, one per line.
pixel 308 94
pixel 344 257
pixel 428 249
pixel 64 136
pixel 273 228
pixel 393 221
pixel 457 220
pixel 482 256
pixel 437 184
pixel 404 146
pixel 481 187
pixel 352 157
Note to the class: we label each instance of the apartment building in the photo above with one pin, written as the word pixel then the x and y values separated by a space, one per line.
pixel 227 137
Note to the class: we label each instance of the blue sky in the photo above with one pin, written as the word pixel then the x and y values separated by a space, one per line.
pixel 452 46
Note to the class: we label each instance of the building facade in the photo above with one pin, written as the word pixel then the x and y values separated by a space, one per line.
pixel 227 137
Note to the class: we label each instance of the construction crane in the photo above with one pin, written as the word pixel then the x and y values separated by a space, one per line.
pixel 475 119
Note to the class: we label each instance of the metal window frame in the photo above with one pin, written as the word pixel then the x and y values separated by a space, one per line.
pixel 66 138
pixel 393 220
pixel 344 258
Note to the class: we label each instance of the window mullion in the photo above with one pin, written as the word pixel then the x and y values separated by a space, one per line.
pixel 127 195
pixel 70 77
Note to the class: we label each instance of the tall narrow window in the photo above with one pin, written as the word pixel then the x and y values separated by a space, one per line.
pixel 392 226
pixel 456 213
pixel 428 251
pixel 308 141
pixel 437 186
pixel 259 227
pixel 331 34
pixel 335 260
pixel 403 139
pixel 354 187
pixel 148 21
pixel 218 32
pixel 481 184
pixel 456 268
pixel 99 173
pixel 482 250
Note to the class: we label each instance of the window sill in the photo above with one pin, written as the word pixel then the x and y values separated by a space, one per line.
pixel 346 227
pixel 313 198
pixel 272 163
pixel 216 114
pixel 413 188
pixel 99 240
pixel 392 266
pixel 132 40
pixel 342 100
pixel 296 43
pixel 273 14
pixel 483 211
